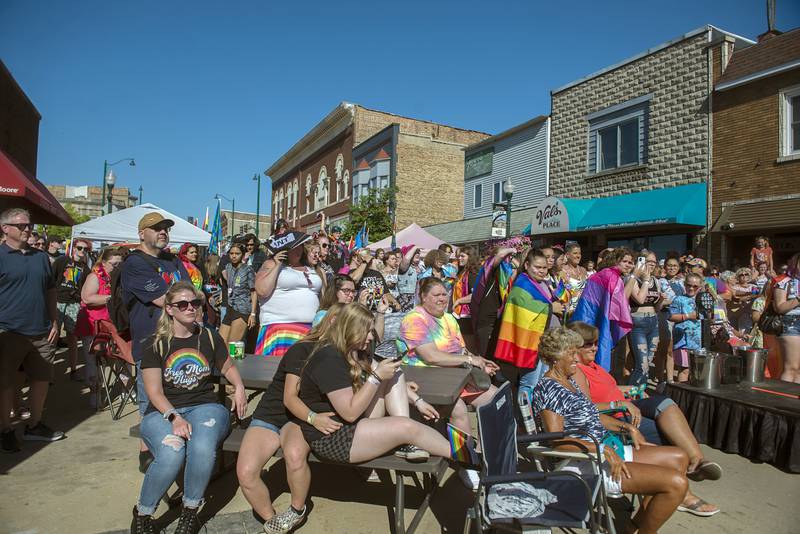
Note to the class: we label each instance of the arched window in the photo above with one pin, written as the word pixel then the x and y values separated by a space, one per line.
pixel 345 184
pixel 308 193
pixel 338 170
pixel 321 199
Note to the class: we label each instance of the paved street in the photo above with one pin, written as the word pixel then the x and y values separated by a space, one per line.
pixel 88 483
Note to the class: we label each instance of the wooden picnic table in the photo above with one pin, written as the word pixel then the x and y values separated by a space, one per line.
pixel 440 386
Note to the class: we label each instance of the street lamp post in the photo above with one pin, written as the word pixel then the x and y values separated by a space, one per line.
pixel 233 211
pixel 111 179
pixel 257 178
pixel 508 193
pixel 140 195
pixel 106 167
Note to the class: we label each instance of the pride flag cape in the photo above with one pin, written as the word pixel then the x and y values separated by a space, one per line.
pixel 461 289
pixel 524 320
pixel 462 446
pixel 502 274
pixel 603 305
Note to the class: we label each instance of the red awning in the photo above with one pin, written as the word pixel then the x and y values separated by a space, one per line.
pixel 19 189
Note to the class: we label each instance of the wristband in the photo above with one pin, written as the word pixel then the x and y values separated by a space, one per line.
pixel 170 414
pixel 310 417
pixel 374 380
pixel 416 401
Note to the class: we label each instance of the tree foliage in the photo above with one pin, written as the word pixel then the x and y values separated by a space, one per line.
pixel 373 209
pixel 64 232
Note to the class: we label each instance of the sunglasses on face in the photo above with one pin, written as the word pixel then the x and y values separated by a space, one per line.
pixel 21 226
pixel 691 286
pixel 161 228
pixel 183 305
pixel 81 248
pixel 40 243
pixel 590 345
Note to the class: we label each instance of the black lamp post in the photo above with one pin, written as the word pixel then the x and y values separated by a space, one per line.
pixel 106 168
pixel 508 193
pixel 111 179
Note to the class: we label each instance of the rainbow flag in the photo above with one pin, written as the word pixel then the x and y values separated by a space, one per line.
pixel 561 292
pixel 524 320
pixel 275 339
pixel 352 243
pixel 461 289
pixel 462 446
pixel 205 221
pixel 604 306
pixel 503 272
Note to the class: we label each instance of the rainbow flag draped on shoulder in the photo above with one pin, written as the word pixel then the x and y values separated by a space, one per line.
pixel 525 318
pixel 489 274
pixel 603 305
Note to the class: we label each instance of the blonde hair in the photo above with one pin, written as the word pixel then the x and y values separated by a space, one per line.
pixel 347 332
pixel 164 329
pixel 555 342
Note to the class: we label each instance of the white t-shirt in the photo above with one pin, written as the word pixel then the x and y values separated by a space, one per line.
pixel 295 299
pixel 790 285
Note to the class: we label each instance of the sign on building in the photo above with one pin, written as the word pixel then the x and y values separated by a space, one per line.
pixel 551 217
pixel 478 163
pixel 499 223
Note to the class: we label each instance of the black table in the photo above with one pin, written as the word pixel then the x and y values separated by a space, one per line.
pixel 735 418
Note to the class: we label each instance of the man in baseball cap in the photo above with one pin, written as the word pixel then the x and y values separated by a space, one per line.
pixel 156 221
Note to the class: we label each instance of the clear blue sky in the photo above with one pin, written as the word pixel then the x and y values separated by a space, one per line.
pixel 205 94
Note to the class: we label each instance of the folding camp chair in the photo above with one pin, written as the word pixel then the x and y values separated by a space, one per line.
pixel 115 366
pixel 508 499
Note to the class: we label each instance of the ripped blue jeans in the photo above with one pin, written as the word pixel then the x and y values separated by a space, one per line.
pixel 210 424
pixel 644 341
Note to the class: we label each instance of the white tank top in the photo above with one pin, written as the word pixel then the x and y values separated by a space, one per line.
pixel 293 301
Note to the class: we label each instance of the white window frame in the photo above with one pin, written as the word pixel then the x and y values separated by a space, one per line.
pixel 477 199
pixel 785 137
pixel 618 127
pixel 498 195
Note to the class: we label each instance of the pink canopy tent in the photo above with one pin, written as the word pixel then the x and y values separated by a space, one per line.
pixel 413 234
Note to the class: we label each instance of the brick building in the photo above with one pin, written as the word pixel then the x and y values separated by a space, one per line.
pixel 756 151
pixel 244 222
pixel 354 149
pixel 88 199
pixel 638 126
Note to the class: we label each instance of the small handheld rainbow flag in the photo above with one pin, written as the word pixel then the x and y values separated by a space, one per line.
pixel 561 293
pixel 205 221
pixel 462 446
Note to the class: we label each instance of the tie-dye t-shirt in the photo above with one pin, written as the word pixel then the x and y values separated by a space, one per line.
pixel 420 328
pixel 186 367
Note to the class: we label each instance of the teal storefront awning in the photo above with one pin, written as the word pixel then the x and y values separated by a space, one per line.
pixel 685 204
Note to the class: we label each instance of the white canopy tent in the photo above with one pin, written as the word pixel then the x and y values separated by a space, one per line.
pixel 123 226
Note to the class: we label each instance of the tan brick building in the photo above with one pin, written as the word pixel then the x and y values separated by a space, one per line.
pixel 640 125
pixel 87 199
pixel 756 150
pixel 318 174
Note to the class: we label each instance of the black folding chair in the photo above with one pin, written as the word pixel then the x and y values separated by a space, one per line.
pixel 510 500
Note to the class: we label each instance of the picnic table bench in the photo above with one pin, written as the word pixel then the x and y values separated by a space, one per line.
pixel 437 385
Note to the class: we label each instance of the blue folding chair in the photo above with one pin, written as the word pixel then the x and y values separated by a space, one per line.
pixel 521 501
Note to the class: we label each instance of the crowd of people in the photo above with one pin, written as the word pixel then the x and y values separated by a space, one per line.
pixel 574 337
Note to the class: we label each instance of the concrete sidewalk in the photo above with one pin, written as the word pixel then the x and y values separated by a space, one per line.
pixel 89 482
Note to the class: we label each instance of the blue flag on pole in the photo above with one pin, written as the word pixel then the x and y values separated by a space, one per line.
pixel 216 231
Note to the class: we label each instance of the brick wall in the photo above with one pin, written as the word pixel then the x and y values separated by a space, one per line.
pixel 368 122
pixel 677 77
pixel 746 146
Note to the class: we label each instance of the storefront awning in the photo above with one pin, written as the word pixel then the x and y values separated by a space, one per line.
pixel 684 204
pixel 18 189
pixel 757 215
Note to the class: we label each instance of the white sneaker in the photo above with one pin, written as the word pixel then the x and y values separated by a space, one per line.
pixel 470 478
pixel 284 522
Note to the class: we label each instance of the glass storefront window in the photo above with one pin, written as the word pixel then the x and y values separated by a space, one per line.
pixel 660 244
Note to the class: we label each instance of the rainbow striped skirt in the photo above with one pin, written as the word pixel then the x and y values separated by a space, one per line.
pixel 275 339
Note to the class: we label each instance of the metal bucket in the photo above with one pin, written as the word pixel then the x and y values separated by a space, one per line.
pixel 754 362
pixel 705 368
pixel 732 369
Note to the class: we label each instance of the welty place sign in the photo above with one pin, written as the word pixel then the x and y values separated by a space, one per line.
pixel 550 217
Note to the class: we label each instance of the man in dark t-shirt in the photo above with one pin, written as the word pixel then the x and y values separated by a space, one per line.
pixel 69 273
pixel 28 327
pixel 147 273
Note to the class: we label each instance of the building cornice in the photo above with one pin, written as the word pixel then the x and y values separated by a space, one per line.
pixel 336 122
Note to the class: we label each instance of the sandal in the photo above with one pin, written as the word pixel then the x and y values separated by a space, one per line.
pixel 705 471
pixel 694 508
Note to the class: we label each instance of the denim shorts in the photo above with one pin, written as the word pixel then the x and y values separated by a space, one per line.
pixel 791 325
pixel 263 424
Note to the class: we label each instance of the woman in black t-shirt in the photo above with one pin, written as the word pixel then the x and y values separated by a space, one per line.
pixel 183 423
pixel 339 377
pixel 271 428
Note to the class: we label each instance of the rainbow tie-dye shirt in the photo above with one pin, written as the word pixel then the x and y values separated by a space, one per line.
pixel 420 328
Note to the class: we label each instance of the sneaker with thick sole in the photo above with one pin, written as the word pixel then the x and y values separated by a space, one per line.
pixel 142 524
pixel 41 432
pixel 188 523
pixel 284 522
pixel 10 443
pixel 470 478
pixel 412 453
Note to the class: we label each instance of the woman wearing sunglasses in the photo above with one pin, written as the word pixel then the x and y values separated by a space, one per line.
pixel 184 423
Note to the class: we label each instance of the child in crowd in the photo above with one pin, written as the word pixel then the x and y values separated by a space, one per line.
pixel 761 252
pixel 686 332
pixel 590 268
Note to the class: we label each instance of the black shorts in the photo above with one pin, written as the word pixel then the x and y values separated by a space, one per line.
pixel 231 315
pixel 335 447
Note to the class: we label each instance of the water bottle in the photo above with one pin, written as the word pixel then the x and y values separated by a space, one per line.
pixel 524 396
